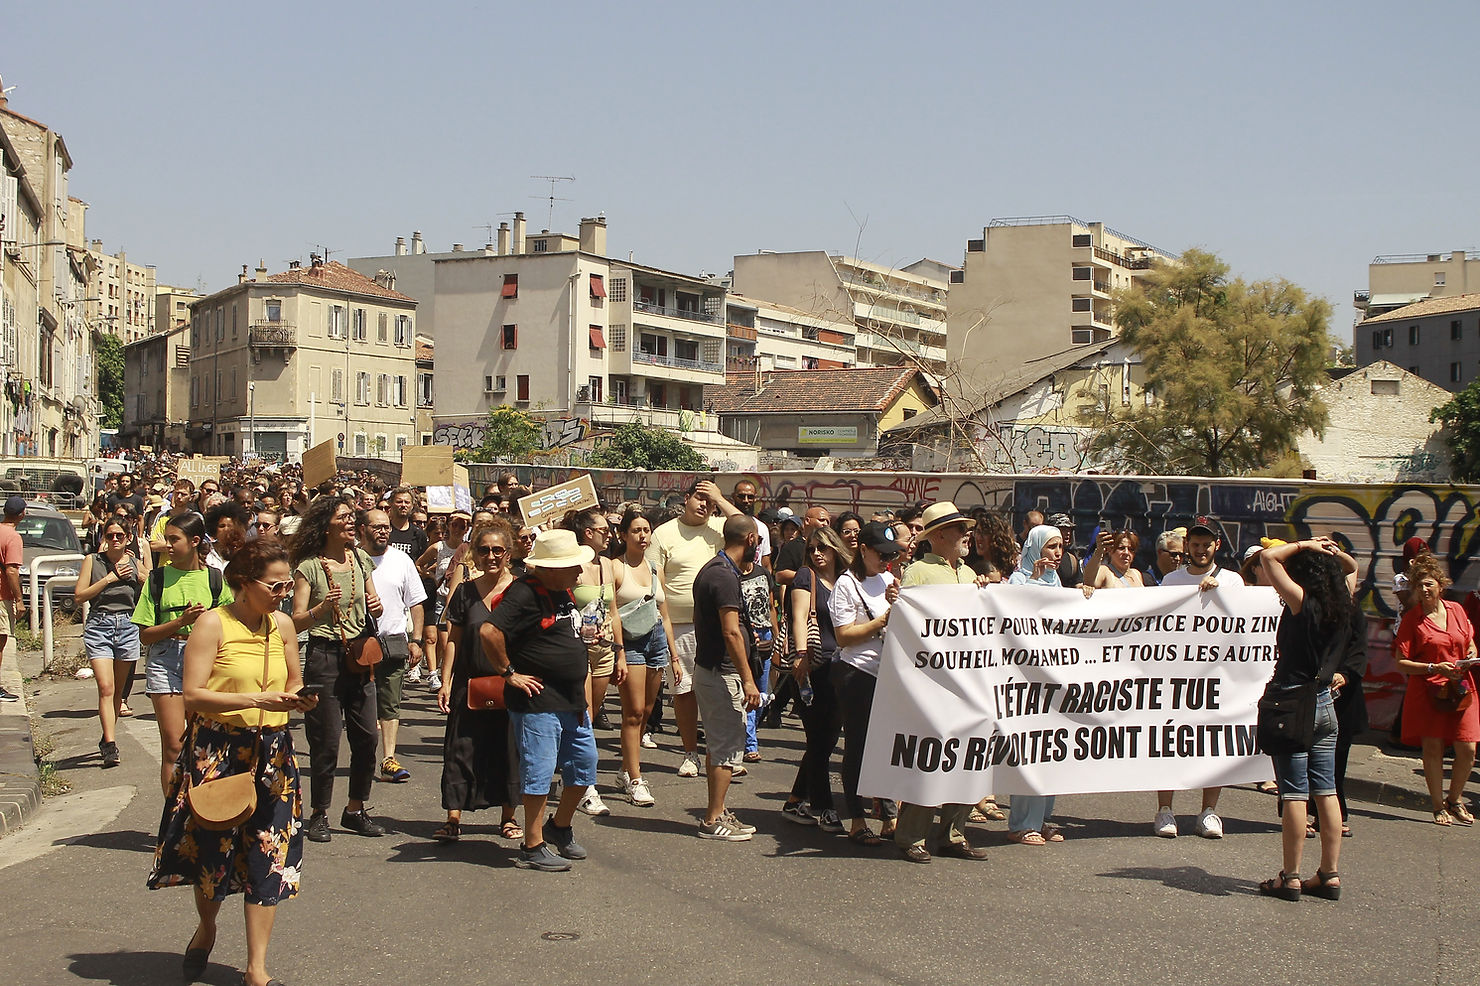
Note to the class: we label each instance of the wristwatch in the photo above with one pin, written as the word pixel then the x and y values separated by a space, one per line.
pixel 506 672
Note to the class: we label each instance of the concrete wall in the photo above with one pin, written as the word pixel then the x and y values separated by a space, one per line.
pixel 1379 429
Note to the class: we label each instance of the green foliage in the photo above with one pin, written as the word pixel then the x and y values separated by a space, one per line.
pixel 637 446
pixel 509 432
pixel 1235 369
pixel 1460 416
pixel 108 357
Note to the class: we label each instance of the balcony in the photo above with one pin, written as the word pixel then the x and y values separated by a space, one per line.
pixel 273 335
pixel 692 314
pixel 1360 299
pixel 1142 262
pixel 677 363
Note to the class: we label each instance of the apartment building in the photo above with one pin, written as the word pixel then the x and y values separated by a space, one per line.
pixel 156 386
pixel 764 335
pixel 898 314
pixel 412 269
pixel 426 391
pixel 121 295
pixel 51 407
pixel 1437 339
pixel 1403 279
pixel 172 306
pixel 281 362
pixel 1032 287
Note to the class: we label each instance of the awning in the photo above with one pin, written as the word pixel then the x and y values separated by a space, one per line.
pixel 598 339
pixel 598 286
pixel 511 286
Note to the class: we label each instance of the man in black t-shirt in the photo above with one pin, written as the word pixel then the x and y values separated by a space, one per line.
pixel 126 494
pixel 723 683
pixel 534 642
pixel 405 536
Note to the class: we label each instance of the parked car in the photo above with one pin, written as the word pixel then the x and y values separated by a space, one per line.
pixel 46 531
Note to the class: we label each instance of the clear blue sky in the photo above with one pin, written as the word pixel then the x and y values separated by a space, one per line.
pixel 1293 139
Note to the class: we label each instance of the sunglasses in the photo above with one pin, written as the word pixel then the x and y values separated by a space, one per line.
pixel 116 536
pixel 1176 554
pixel 276 588
pixel 528 537
pixel 490 549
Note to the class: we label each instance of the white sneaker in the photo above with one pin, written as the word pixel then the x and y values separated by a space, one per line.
pixel 690 765
pixel 592 804
pixel 623 779
pixel 1165 824
pixel 638 793
pixel 414 675
pixel 434 681
pixel 1209 825
pixel 648 743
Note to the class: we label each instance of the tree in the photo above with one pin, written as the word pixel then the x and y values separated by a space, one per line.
pixel 1461 419
pixel 509 433
pixel 108 357
pixel 1235 370
pixel 637 446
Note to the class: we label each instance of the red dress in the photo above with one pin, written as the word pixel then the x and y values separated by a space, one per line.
pixel 1420 639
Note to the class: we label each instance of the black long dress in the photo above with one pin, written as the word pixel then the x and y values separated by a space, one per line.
pixel 480 761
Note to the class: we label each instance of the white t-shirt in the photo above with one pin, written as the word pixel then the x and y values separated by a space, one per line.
pixel 678 551
pixel 399 587
pixel 1225 576
pixel 855 602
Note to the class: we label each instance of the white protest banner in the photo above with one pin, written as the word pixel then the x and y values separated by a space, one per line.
pixel 552 502
pixel 1033 690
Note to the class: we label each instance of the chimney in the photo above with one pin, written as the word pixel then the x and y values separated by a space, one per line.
pixel 593 236
pixel 417 246
pixel 97 246
pixel 518 248
pixel 503 239
pixel 457 248
pixel 295 264
pixel 400 246
pixel 242 277
pixel 386 279
pixel 261 270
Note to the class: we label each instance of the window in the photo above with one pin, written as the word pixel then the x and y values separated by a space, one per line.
pixel 597 340
pixel 232 392
pixel 233 322
pixel 336 386
pixel 619 392
pixel 540 246
pixel 619 289
pixel 521 383
pixel 401 442
pixel 595 389
pixel 1387 337
pixel 686 349
pixel 194 391
pixel 1376 338
pixel 511 286
pixel 1438 278
pixel 1455 332
pixel 1080 337
pixel 511 337
pixel 220 324
pixel 359 325
pixel 382 389
pixel 657 395
pixel 1082 304
pixel 653 345
pixel 360 443
pixel 1413 370
pixel 1454 373
pixel 1084 273
pixel 423 390
pixel 1387 388
pixel 274 310
pixel 398 391
pixel 382 333
pixel 403 330
pixel 336 322
pixel 1083 239
pixel 619 335
pixel 598 287
pixel 362 388
pixel 1412 335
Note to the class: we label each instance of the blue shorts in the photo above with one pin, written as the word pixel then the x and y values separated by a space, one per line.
pixel 1303 776
pixel 650 650
pixel 164 672
pixel 110 637
pixel 551 740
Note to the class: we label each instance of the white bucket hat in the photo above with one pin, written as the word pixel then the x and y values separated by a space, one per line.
pixel 558 549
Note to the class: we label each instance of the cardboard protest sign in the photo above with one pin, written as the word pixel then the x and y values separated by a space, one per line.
pixel 319 464
pixel 457 496
pixel 427 465
pixel 200 468
pixel 552 502
pixel 1035 690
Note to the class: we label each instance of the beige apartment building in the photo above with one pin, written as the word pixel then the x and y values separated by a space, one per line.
pixel 120 294
pixel 156 384
pixel 1404 279
pixel 899 315
pixel 51 406
pixel 281 362
pixel 1033 287
pixel 764 336
pixel 172 306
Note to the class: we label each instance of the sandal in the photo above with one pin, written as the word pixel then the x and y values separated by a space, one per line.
pixel 1052 833
pixel 865 837
pixel 1280 886
pixel 511 830
pixel 1442 817
pixel 1459 812
pixel 1323 885
pixel 1346 831
pixel 450 831
pixel 124 710
pixel 1310 831
pixel 753 756
pixel 1028 838
pixel 987 811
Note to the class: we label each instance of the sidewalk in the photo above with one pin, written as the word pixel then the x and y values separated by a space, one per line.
pixel 20 785
pixel 1382 774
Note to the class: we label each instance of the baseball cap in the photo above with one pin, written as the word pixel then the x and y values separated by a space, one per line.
pixel 1205 525
pixel 880 537
pixel 1060 520
pixel 15 506
pixel 770 515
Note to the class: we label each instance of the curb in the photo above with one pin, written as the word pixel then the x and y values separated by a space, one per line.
pixel 1385 794
pixel 20 784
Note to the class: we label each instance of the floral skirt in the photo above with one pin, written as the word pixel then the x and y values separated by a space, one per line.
pixel 261 858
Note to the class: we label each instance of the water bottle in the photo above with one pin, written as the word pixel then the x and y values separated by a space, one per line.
pixel 591 622
pixel 806 692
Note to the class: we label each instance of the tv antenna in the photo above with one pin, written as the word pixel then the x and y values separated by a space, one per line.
pixel 553 198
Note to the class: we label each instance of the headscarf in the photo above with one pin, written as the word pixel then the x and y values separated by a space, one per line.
pixel 1033 550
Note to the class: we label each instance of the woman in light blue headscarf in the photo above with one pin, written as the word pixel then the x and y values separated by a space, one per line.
pixel 1027 818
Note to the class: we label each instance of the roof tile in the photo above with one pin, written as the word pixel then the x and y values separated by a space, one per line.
pixel 1429 306
pixel 335 276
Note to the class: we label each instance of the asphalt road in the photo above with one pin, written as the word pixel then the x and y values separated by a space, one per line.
pixel 656 904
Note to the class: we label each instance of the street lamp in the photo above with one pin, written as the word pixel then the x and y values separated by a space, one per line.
pixel 251 417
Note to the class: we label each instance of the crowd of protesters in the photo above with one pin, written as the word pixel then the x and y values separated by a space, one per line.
pixel 712 612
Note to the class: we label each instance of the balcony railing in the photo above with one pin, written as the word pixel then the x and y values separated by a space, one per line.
pixel 282 335
pixel 1142 262
pixel 677 362
pixel 692 314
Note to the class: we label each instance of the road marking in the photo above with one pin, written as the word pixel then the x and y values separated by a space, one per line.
pixel 65 820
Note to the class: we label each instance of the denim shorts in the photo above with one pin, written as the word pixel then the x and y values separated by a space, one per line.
pixel 650 650
pixel 1303 776
pixel 164 672
pixel 111 637
pixel 551 740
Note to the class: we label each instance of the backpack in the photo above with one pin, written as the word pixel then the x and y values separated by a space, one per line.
pixel 156 587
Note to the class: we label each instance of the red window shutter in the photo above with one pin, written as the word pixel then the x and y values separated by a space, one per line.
pixel 522 382
pixel 598 340
pixel 598 286
pixel 511 286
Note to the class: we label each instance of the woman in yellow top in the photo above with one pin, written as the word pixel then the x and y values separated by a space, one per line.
pixel 601 627
pixel 239 723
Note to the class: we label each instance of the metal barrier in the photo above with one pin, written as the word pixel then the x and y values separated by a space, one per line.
pixel 47 641
pixel 53 563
